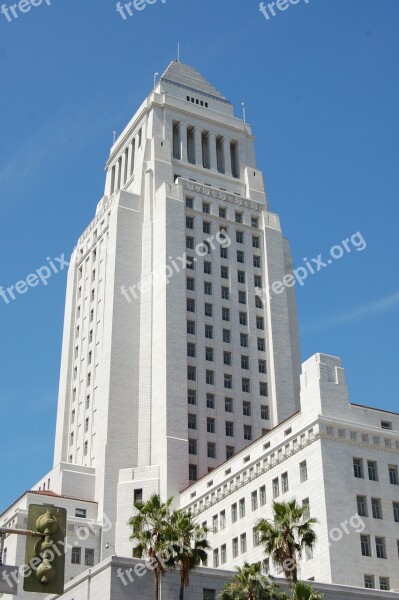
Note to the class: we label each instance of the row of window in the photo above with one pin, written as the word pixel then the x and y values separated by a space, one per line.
pixel 372 471
pixel 228 379
pixel 369 582
pixel 209 334
pixel 186 135
pixel 366 546
pixel 211 427
pixel 365 437
pixel 376 508
pixel 225 294
pixel 228 405
pixel 122 170
pixel 76 556
pixel 222 211
pixel 209 356
pixel 225 313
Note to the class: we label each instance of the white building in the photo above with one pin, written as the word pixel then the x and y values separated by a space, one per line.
pixel 171 364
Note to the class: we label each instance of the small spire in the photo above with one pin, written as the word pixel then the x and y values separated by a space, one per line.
pixel 114 133
pixel 244 114
pixel 178 51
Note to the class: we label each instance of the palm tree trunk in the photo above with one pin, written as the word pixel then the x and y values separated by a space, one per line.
pixel 181 594
pixel 156 584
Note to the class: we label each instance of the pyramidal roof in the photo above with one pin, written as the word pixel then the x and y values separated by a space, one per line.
pixel 185 76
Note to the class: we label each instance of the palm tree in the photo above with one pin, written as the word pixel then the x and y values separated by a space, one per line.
pixel 303 591
pixel 150 527
pixel 250 584
pixel 287 536
pixel 189 546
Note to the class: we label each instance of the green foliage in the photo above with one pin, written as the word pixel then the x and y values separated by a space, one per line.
pixel 287 536
pixel 304 591
pixel 250 584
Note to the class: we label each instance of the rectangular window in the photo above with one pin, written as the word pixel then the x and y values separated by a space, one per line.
pixel 192 472
pixel 224 272
pixel 209 354
pixel 89 557
pixel 263 389
pixel 189 222
pixel 215 524
pixel 191 373
pixel 226 336
pixel 393 475
pixel 207 268
pixel 190 243
pixel 240 256
pixel 192 447
pixel 229 452
pixel 264 412
pixel 228 381
pixel 244 340
pixel 369 582
pixel 76 555
pixel 209 332
pixel 190 305
pixel 192 421
pixel 215 558
pixel 243 319
pixel 376 508
pixel 210 401
pixel 235 547
pixel 365 545
pixel 210 378
pixel 223 519
pixel 362 506
pixel 276 487
pixel 241 276
pixel 303 470
pixel 206 208
pixel 225 314
pixel 229 429
pixel 206 227
pixel 192 397
pixel 380 547
pixel 234 514
pixel 208 310
pixel 255 241
pixel 238 217
pixel 227 358
pixel 396 512
pixel 284 483
pixel 225 293
pixel 224 254
pixel 228 405
pixel 242 508
pixel 254 500
pixel 247 432
pixel 210 425
pixel 191 350
pixel 245 362
pixel 223 554
pixel 261 344
pixel 242 297
pixel 372 470
pixel 262 495
pixel 190 284
pixel 239 237
pixel 191 327
pixel 243 543
pixel 80 513
pixel 260 323
pixel 208 288
pixel 384 584
pixel 246 409
pixel 245 385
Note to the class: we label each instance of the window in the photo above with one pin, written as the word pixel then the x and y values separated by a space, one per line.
pixel 239 237
pixel 89 557
pixel 263 389
pixel 238 217
pixel 255 241
pixel 208 288
pixel 358 468
pixel 209 354
pixel 257 281
pixel 189 202
pixel 191 327
pixel 190 243
pixel 229 429
pixel 227 358
pixel 376 508
pixel 386 424
pixel 210 378
pixel 210 401
pixel 225 293
pixel 235 547
pixel 223 519
pixel 209 332
pixel 191 350
pixel 303 470
pixel 384 583
pixel 254 500
pixel 284 483
pixel 242 297
pixel 208 310
pixel 262 495
pixel 190 222
pixel 243 319
pixel 247 432
pixel 243 543
pixel 262 366
pixel 224 272
pixel 76 555
pixel 207 268
pixel 245 385
pixel 393 475
pixel 229 452
pixel 276 487
pixel 369 582
pixel 206 227
pixel 225 314
pixel 223 252
pixel 264 412
pixel 234 513
pixel 372 470
pixel 261 344
pixel 80 513
pixel 258 302
pixel 260 324
pixel 226 336
pixel 191 373
pixel 190 305
pixel 87 424
pixel 254 222
pixel 192 472
pixel 228 381
pixel 206 208
pixel 192 421
pixel 362 506
pixel 244 340
pixel 222 212
pixel 380 547
pixel 240 256
pixel 256 261
pixel 190 284
pixel 192 397
pixel 210 425
pixel 365 545
pixel 241 276
pixel 244 362
pixel 228 405
pixel 246 409
pixel 192 446
pixel 215 524
pixel 242 508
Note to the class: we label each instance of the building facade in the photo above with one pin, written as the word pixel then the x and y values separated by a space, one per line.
pixel 172 364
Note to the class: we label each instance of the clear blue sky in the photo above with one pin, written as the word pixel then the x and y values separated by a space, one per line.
pixel 320 83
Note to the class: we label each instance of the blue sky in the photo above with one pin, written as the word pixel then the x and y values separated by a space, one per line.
pixel 322 95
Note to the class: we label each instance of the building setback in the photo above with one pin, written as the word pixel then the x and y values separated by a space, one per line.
pixel 178 379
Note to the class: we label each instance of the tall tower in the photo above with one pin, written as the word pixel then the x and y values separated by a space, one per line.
pixel 170 362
